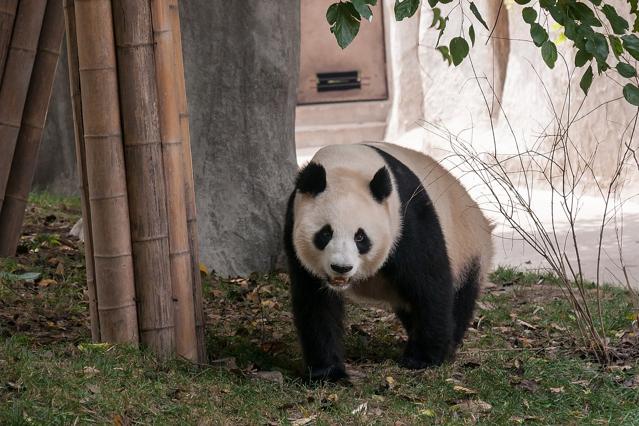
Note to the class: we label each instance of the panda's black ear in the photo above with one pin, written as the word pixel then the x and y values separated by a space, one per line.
pixel 381 185
pixel 311 179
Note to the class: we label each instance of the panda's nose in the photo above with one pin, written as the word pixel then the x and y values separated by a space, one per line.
pixel 342 269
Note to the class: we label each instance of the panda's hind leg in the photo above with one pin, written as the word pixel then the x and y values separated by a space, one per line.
pixel 465 298
pixel 429 324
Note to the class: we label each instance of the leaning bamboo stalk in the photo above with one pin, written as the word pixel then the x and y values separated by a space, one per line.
pixel 7 17
pixel 30 135
pixel 172 152
pixel 80 154
pixel 106 176
pixel 200 323
pixel 145 174
pixel 15 80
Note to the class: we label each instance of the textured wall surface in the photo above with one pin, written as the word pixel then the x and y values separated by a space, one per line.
pixel 241 60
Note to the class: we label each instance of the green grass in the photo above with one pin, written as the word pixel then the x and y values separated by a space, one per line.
pixel 48 200
pixel 522 357
pixel 63 382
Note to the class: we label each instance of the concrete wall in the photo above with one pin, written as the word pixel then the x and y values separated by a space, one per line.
pixel 533 96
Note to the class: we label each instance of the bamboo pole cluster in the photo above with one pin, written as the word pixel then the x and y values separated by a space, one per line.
pixel 134 161
pixel 31 34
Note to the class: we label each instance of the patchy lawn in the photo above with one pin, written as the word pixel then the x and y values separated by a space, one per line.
pixel 521 361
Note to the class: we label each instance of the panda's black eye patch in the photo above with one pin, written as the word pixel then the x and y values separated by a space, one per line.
pixel 323 237
pixel 362 241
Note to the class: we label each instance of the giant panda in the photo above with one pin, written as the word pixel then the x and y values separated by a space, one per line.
pixel 382 223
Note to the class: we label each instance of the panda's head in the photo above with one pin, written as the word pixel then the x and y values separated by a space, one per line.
pixel 345 222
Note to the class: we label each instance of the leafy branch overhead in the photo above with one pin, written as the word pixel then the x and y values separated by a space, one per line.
pixel 603 40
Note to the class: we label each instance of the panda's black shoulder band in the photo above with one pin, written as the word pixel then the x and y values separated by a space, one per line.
pixel 381 185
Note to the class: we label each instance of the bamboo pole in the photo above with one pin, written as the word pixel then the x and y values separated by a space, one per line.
pixel 15 80
pixel 106 176
pixel 145 174
pixel 7 17
pixel 80 153
pixel 30 134
pixel 189 192
pixel 172 152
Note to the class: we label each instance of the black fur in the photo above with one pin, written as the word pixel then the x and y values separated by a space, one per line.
pixel 362 241
pixel 323 237
pixel 311 179
pixel 318 315
pixel 418 268
pixel 420 271
pixel 381 185
pixel 465 300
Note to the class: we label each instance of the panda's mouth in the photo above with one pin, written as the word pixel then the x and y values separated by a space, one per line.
pixel 339 281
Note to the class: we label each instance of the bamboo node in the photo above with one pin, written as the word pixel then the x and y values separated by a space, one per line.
pixel 153 238
pixel 107 197
pixel 111 256
pixel 115 307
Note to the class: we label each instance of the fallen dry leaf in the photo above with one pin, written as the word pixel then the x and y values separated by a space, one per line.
pixel 93 388
pixel 389 383
pixel 59 270
pixel 465 390
pixel 522 419
pixel 271 376
pixel 47 282
pixel 473 406
pixel 90 371
pixel 526 324
pixel 360 409
pixel 557 390
pixel 427 412
pixel 303 421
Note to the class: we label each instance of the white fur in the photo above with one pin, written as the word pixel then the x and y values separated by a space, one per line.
pixel 348 205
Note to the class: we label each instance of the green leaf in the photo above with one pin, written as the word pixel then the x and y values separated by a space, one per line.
pixel 586 80
pixel 631 44
pixel 444 51
pixel 558 14
pixel 619 24
pixel 344 21
pixel 331 13
pixel 538 34
pixel 522 1
pixel 471 34
pixel 626 70
pixel 582 57
pixel 596 2
pixel 583 13
pixel 432 3
pixel 473 8
pixel 437 14
pixel 597 46
pixel 458 50
pixel 405 8
pixel 631 93
pixel 529 14
pixel 549 53
pixel 362 7
pixel 615 43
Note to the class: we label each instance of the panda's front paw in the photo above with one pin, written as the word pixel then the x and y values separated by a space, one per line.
pixel 333 373
pixel 413 363
pixel 416 360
